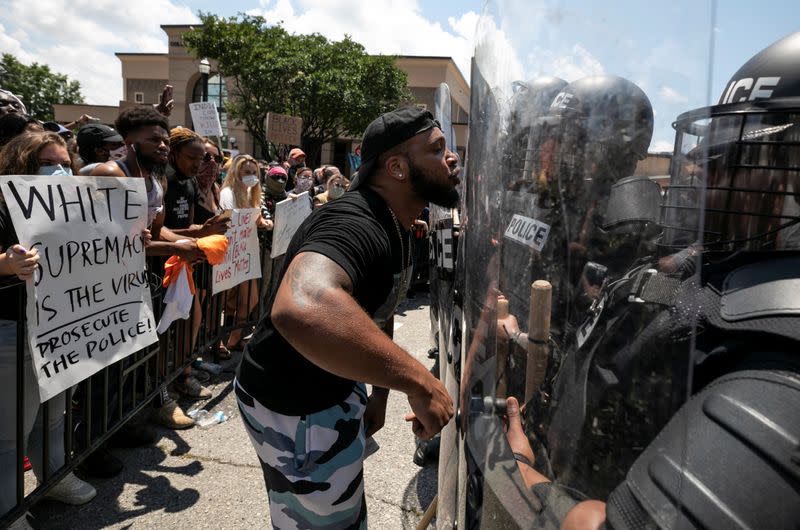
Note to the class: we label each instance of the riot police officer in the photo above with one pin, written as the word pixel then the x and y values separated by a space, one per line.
pixel 679 407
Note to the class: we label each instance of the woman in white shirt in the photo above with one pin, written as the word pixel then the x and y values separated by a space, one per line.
pixel 241 189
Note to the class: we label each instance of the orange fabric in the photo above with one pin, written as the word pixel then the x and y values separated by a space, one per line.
pixel 172 270
pixel 214 247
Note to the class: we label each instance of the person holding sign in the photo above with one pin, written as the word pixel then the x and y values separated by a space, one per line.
pixel 187 156
pixel 147 148
pixel 30 153
pixel 303 392
pixel 241 189
pixel 145 132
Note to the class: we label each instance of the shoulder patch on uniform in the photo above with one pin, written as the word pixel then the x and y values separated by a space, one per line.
pixel 762 289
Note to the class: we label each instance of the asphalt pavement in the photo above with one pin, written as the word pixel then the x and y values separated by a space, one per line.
pixel 211 478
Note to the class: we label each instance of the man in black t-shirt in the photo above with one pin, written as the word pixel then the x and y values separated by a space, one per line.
pixel 301 390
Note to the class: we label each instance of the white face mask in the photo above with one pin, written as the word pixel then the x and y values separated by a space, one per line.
pixel 118 153
pixel 58 169
pixel 250 180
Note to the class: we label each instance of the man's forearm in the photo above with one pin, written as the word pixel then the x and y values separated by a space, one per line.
pixel 161 248
pixel 359 350
pixel 172 235
pixel 192 231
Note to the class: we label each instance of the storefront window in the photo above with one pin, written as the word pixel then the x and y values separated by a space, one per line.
pixel 218 93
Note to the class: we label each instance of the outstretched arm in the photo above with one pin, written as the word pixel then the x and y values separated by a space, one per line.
pixel 316 289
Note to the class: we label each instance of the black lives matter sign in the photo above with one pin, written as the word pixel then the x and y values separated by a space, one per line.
pixel 285 130
pixel 89 303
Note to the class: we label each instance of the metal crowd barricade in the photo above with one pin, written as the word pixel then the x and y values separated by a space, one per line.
pixel 99 406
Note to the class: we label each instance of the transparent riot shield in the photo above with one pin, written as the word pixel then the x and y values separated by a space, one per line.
pixel 576 339
pixel 446 316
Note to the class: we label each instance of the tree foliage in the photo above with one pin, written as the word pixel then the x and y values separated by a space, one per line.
pixel 335 86
pixel 38 86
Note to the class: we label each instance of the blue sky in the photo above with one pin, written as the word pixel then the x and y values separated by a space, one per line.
pixel 79 37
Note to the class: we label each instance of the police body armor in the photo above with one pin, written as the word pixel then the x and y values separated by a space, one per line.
pixel 662 383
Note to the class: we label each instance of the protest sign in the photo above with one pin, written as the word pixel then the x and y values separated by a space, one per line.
pixel 205 118
pixel 243 259
pixel 282 129
pixel 289 214
pixel 88 304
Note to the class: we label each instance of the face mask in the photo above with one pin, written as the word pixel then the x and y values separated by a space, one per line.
pixel 250 180
pixel 336 192
pixel 118 153
pixel 303 184
pixel 276 187
pixel 58 169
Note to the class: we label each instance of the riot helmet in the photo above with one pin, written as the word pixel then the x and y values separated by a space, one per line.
pixel 739 160
pixel 531 100
pixel 603 125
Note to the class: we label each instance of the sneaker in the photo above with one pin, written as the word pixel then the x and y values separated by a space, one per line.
pixel 71 490
pixel 171 416
pixel 191 387
pixel 102 464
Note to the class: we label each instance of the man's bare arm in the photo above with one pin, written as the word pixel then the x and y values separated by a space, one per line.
pixel 316 289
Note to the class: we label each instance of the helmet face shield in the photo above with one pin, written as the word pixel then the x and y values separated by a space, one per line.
pixel 743 170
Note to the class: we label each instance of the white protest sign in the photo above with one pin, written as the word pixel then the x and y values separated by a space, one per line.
pixel 89 303
pixel 205 118
pixel 243 259
pixel 289 215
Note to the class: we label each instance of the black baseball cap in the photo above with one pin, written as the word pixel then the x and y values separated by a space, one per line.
pixel 96 134
pixel 386 131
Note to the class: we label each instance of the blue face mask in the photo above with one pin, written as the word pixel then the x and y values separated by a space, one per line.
pixel 58 169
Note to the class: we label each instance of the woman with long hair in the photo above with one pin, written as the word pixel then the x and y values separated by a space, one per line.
pixel 242 189
pixel 32 153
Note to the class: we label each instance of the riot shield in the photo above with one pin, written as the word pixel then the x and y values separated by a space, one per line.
pixel 577 344
pixel 446 315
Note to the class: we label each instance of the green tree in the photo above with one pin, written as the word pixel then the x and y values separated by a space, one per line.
pixel 335 86
pixel 38 86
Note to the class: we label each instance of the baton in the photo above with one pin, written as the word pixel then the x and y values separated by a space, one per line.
pixel 502 347
pixel 538 336
pixel 427 517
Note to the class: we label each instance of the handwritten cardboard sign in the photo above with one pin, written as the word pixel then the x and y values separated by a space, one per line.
pixel 289 215
pixel 243 259
pixel 283 129
pixel 205 118
pixel 89 302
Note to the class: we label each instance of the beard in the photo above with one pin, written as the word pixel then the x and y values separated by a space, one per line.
pixel 150 164
pixel 442 194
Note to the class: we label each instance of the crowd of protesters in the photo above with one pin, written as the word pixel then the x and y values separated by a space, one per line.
pixel 190 184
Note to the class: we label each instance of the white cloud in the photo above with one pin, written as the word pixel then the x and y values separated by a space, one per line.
pixel 662 146
pixel 577 63
pixel 382 26
pixel 670 95
pixel 466 25
pixel 79 37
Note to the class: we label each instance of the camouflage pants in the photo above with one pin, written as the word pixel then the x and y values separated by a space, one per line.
pixel 313 465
